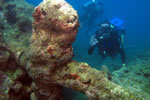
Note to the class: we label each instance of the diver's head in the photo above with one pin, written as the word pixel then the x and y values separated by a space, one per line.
pixel 93 0
pixel 106 22
pixel 105 27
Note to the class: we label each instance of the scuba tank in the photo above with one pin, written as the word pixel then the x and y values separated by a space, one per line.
pixel 119 25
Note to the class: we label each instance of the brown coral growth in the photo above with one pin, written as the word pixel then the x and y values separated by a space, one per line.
pixel 38 15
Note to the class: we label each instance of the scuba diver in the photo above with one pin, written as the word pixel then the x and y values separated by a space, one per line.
pixel 109 39
pixel 91 10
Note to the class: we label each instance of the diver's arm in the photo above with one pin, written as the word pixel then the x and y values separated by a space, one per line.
pixel 123 56
pixel 122 39
pixel 93 43
pixel 91 49
pixel 122 33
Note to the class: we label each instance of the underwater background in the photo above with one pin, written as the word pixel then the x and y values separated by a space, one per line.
pixel 136 17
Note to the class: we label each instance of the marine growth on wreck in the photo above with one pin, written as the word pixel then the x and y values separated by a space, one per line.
pixel 36 56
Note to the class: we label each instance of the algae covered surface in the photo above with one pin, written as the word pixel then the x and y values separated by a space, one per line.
pixel 36 58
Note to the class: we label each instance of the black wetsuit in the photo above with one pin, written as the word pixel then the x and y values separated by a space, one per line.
pixel 110 45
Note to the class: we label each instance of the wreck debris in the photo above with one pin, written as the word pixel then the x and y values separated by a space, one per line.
pixel 54 33
pixel 47 66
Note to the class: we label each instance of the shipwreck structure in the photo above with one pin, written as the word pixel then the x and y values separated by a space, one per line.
pixel 44 65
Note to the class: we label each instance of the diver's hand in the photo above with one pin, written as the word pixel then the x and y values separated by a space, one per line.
pixel 90 50
pixel 123 65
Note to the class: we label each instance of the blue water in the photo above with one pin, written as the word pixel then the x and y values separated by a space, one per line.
pixel 34 2
pixel 134 13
